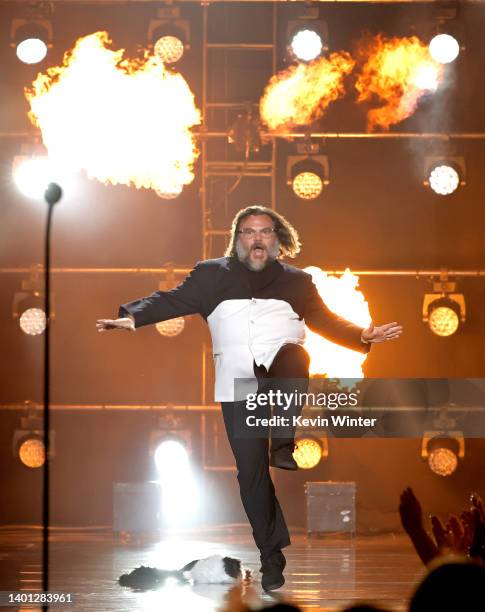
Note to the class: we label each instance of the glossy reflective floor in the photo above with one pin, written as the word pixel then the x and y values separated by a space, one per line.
pixel 323 574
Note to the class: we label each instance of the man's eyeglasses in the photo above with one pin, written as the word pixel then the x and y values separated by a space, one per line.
pixel 249 232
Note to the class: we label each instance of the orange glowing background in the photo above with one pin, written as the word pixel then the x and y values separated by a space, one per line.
pixel 122 121
pixel 302 93
pixel 397 73
pixel 342 296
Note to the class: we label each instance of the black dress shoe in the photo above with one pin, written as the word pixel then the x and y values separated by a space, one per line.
pixel 283 458
pixel 277 557
pixel 272 570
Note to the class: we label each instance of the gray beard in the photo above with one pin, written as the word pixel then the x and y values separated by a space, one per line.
pixel 243 256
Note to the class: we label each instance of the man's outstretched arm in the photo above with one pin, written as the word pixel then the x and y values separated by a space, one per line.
pixel 183 300
pixel 320 319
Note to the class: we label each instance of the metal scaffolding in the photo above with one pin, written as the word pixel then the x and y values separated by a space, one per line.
pixel 417 273
pixel 225 167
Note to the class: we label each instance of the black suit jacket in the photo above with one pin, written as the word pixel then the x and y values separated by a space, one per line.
pixel 250 315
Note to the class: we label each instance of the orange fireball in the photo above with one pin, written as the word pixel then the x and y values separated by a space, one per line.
pixel 341 295
pixel 397 72
pixel 302 93
pixel 123 121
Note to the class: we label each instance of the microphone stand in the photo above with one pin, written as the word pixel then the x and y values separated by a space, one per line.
pixel 52 195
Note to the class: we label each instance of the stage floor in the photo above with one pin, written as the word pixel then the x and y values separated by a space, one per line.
pixel 324 574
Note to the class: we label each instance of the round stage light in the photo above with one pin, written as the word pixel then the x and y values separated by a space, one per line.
pixel 33 175
pixel 308 453
pixel 32 452
pixel 444 179
pixel 171 328
pixel 307 185
pixel 169 191
pixel 443 461
pixel 171 457
pixel 444 48
pixel 33 321
pixel 443 321
pixel 306 45
pixel 31 50
pixel 169 49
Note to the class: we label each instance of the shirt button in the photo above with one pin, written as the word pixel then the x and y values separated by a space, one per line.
pixel 251 321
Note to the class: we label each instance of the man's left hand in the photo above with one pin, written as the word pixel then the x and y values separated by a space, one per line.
pixel 381 333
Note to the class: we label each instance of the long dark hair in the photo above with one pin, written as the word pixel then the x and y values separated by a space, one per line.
pixel 287 234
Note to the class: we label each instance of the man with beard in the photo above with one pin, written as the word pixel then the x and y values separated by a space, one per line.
pixel 256 307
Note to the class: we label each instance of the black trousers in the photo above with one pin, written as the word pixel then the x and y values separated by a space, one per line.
pixel 251 453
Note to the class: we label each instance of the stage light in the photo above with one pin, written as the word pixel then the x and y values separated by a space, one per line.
pixel 307 185
pixel 179 490
pixel 443 461
pixel 171 328
pixel 171 454
pixel 306 45
pixel 32 452
pixel 444 174
pixel 169 191
pixel 444 180
pixel 442 450
pixel 32 175
pixel 32 321
pixel 308 453
pixel 444 319
pixel 170 442
pixel 169 49
pixel 444 312
pixel 169 35
pixel 444 48
pixel 31 50
pixel 308 37
pixel 28 442
pixel 28 304
pixel 307 175
pixel 31 39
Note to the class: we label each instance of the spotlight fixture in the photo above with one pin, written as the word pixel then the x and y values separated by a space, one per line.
pixel 170 440
pixel 169 35
pixel 28 304
pixel 28 442
pixel 444 309
pixel 169 190
pixel 31 38
pixel 171 448
pixel 308 37
pixel 443 450
pixel 32 321
pixel 446 34
pixel 444 48
pixel 307 175
pixel 31 175
pixel 33 171
pixel 169 451
pixel 171 327
pixel 310 450
pixel 444 174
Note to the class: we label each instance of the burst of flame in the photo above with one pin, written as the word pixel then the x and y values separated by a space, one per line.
pixel 341 295
pixel 397 72
pixel 123 121
pixel 302 93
